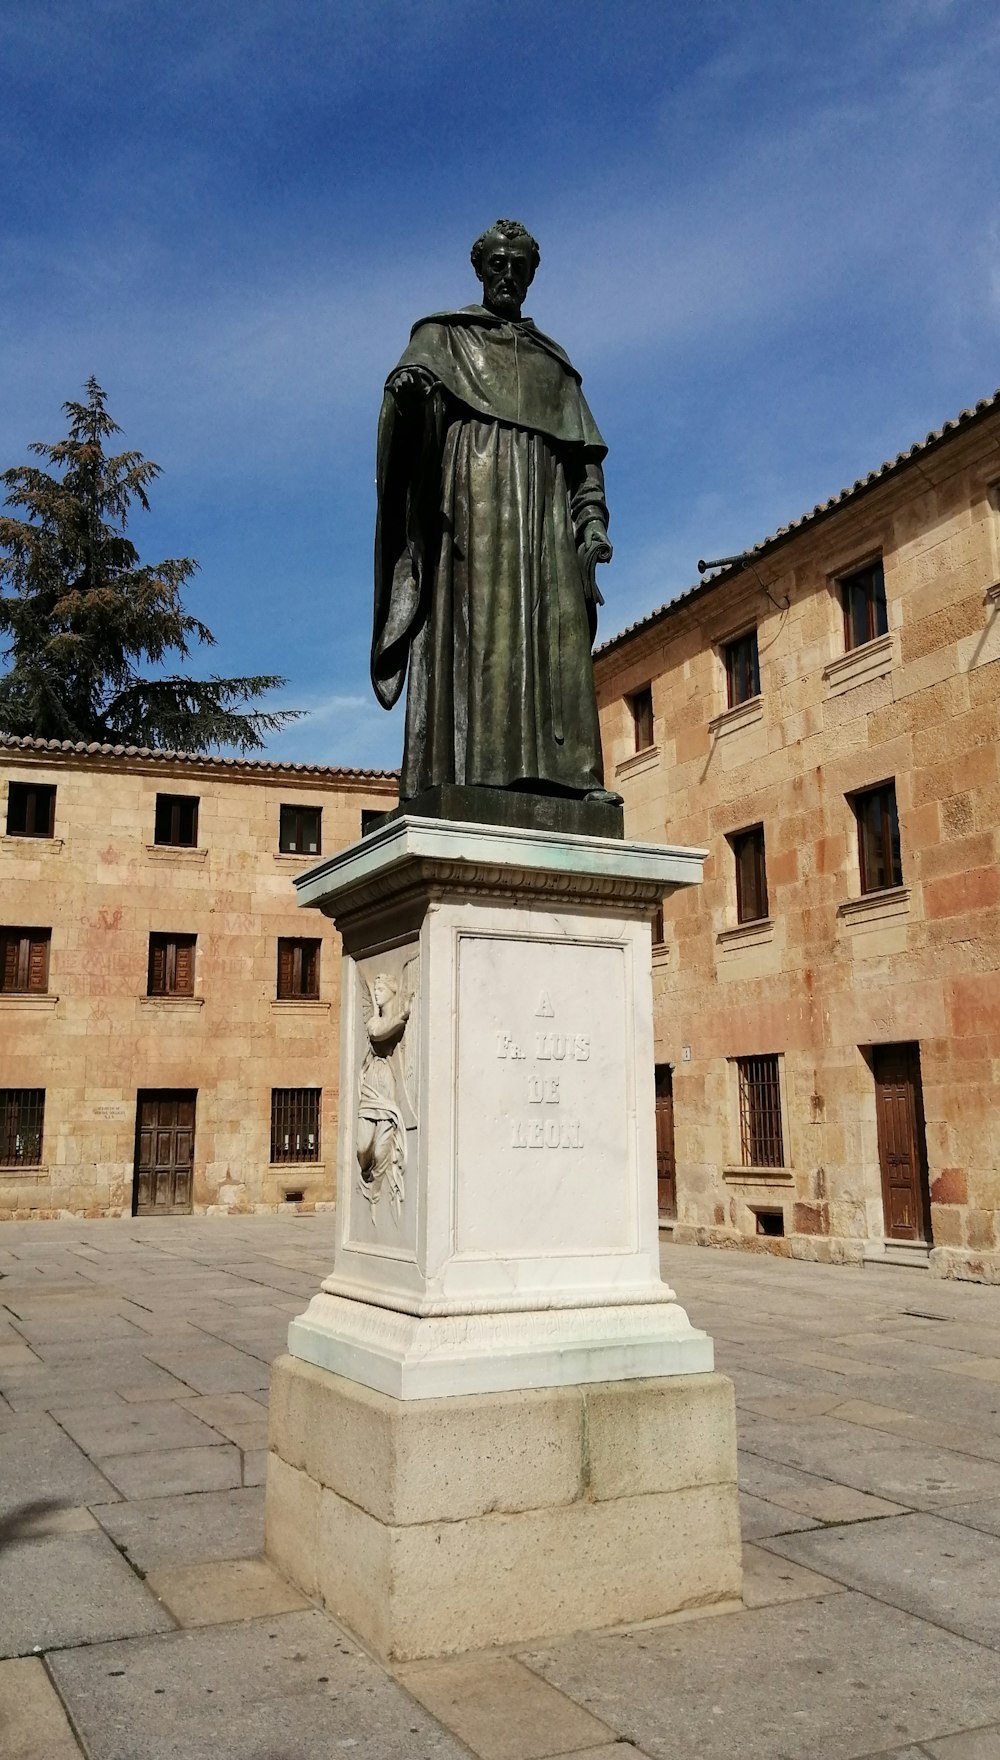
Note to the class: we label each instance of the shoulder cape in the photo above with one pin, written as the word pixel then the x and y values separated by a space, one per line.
pixel 506 372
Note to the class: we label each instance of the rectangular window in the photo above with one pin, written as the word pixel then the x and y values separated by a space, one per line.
pixel 742 669
pixel 878 838
pixel 751 874
pixel 177 820
pixel 298 969
pixel 22 1112
pixel 659 928
pixel 295 1124
pixel 371 818
pixel 641 705
pixel 760 1112
pixel 171 965
pixel 299 833
pixel 865 614
pixel 24 961
pixel 31 809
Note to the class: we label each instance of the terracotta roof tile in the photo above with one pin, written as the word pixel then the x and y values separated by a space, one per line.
pixel 263 766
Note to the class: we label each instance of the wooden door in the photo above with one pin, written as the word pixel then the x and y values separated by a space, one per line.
pixel 901 1147
pixel 666 1166
pixel 164 1153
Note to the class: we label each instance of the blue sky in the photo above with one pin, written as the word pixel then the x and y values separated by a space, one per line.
pixel 770 242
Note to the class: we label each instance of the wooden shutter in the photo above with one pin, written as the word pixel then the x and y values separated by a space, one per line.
pixel 310 968
pixel 184 966
pixel 157 981
pixel 11 952
pixel 286 968
pixel 38 962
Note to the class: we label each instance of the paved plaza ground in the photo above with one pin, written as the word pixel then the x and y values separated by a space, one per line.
pixel 140 1621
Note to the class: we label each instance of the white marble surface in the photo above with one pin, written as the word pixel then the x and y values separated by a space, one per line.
pixel 496 1153
pixel 480 846
pixel 430 1358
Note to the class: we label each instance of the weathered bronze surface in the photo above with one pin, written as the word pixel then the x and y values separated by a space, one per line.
pixel 577 815
pixel 491 522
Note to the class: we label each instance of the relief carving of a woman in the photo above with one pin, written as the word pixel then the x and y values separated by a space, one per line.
pixel 383 1096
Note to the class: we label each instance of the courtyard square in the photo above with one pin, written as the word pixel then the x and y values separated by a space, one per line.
pixel 139 1618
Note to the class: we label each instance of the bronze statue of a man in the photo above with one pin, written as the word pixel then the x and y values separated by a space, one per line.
pixel 491 521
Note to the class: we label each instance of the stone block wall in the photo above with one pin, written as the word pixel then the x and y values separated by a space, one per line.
pixel 833 973
pixel 95 1039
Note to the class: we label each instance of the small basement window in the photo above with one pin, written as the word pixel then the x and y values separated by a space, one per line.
pixel 770 1222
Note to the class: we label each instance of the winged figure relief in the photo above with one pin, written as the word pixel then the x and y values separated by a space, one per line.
pixel 386 1084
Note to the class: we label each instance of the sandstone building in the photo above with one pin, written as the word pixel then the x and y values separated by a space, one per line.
pixel 823 718
pixel 168 1015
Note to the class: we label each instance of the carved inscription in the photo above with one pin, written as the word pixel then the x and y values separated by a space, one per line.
pixel 543 1095
pixel 550 1129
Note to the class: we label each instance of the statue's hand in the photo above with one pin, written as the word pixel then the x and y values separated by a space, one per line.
pixel 411 384
pixel 596 545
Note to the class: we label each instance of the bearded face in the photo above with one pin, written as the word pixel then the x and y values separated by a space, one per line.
pixel 506 271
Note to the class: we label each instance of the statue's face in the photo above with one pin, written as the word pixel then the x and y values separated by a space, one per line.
pixel 382 989
pixel 506 273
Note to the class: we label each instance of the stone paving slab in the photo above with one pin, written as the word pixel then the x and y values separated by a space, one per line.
pixel 223 1591
pixel 293 1687
pixel 170 1471
pixel 809 1495
pixel 217 1368
pixel 72 1589
pixel 904 1472
pixel 985 1516
pixel 971 1744
pixel 936 1569
pixel 502 1710
pixel 40 1464
pixel 766 1582
pixel 760 1520
pixel 134 1429
pixel 33 1724
pixel 857 1411
pixel 199 1526
pixel 835 1678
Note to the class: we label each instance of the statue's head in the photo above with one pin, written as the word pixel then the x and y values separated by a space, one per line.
pixel 383 989
pixel 505 258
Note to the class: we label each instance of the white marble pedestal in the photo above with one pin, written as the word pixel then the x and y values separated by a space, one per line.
pixel 495 1421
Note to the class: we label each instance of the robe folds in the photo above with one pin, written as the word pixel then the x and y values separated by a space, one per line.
pixel 485 487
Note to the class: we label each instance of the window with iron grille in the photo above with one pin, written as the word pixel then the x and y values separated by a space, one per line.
pixel 751 874
pixel 641 705
pixel 24 961
pixel 760 1112
pixel 31 809
pixel 177 820
pixel 298 969
pixel 22 1114
pixel 171 965
pixel 742 669
pixel 299 832
pixel 865 613
pixel 878 838
pixel 295 1124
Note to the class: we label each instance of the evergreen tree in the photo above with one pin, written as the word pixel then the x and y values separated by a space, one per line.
pixel 84 612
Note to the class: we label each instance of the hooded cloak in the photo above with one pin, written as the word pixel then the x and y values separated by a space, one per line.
pixel 485 487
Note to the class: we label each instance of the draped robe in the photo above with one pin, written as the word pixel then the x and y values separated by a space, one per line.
pixel 486 485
